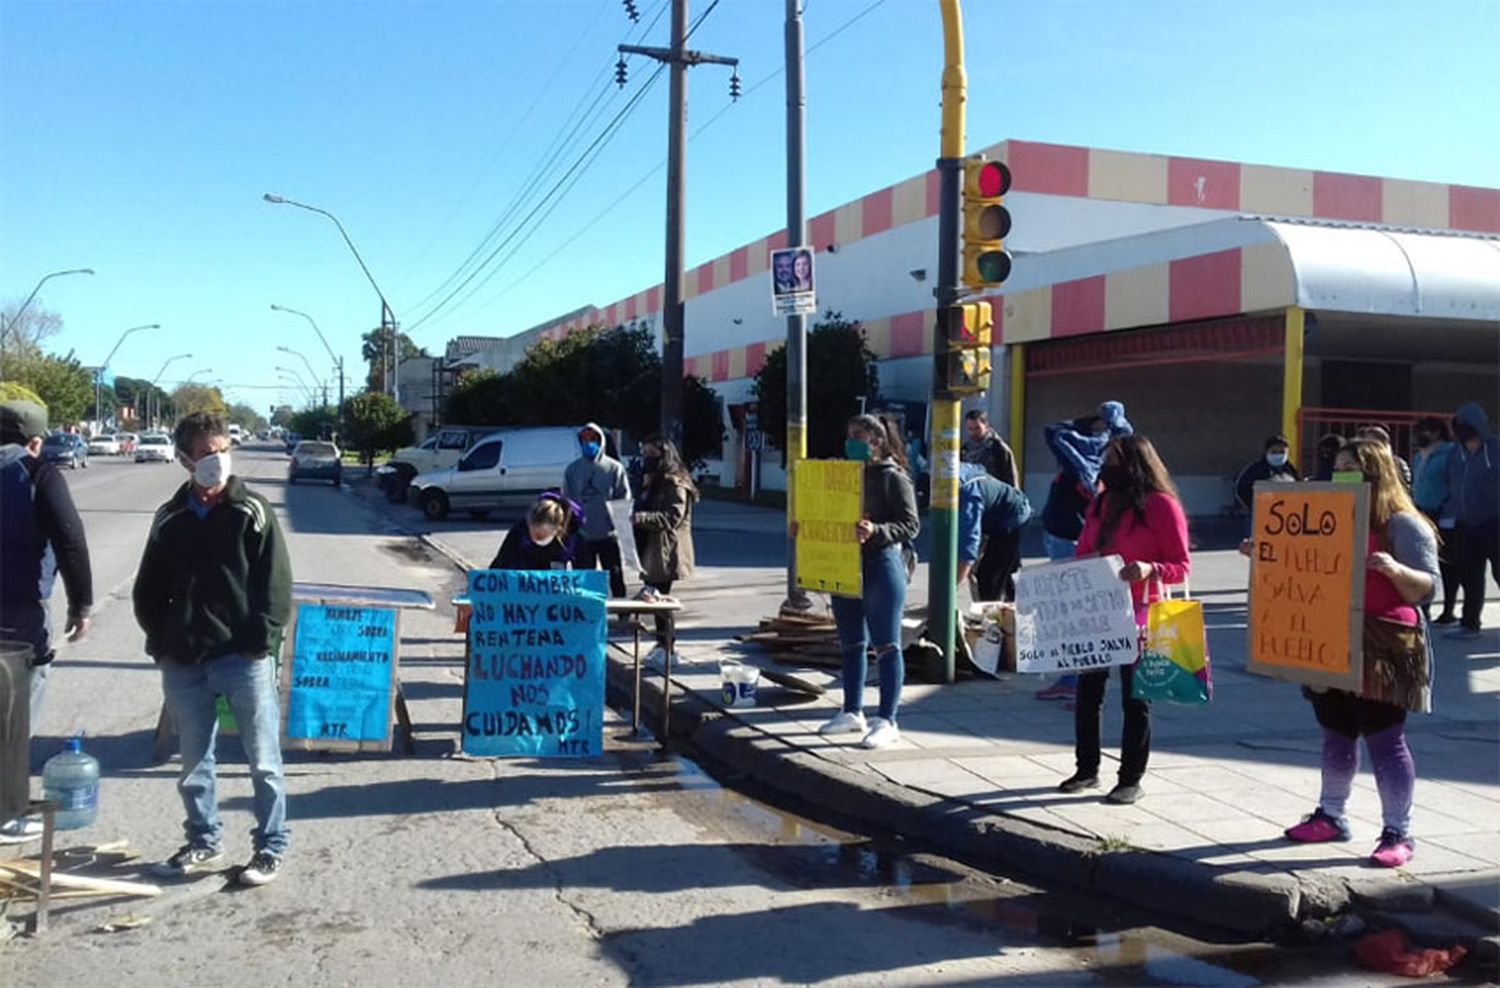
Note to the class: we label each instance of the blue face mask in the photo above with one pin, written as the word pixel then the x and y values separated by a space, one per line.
pixel 856 449
pixel 591 450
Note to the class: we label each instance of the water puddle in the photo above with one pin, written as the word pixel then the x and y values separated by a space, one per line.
pixel 1112 947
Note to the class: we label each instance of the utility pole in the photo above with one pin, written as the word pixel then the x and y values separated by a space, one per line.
pixel 796 324
pixel 943 568
pixel 679 59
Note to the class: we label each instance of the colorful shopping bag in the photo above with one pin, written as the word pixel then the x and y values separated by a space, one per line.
pixel 1174 655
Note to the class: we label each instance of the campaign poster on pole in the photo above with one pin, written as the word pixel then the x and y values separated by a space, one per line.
pixel 1307 583
pixel 1074 616
pixel 792 286
pixel 830 499
pixel 342 693
pixel 534 685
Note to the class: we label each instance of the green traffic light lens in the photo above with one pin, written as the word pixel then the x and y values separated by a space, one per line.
pixel 993 265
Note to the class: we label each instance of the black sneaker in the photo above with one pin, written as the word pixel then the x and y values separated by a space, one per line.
pixel 1124 794
pixel 262 869
pixel 1445 619
pixel 189 860
pixel 1077 782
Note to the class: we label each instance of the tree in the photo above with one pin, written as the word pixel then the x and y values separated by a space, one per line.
pixel 609 376
pixel 840 370
pixel 24 337
pixel 316 422
pixel 190 398
pixel 281 416
pixel 63 385
pixel 375 348
pixel 375 424
pixel 246 417
pixel 11 391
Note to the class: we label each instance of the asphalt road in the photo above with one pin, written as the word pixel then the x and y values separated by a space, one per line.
pixel 632 868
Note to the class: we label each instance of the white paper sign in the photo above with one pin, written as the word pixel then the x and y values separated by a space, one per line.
pixel 619 513
pixel 1074 616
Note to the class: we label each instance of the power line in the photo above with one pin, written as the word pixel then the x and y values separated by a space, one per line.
pixel 590 112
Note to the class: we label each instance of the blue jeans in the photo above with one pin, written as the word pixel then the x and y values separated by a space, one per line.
pixel 1059 550
pixel 879 613
pixel 250 687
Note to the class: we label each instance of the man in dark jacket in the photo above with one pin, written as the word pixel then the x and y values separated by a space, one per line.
pixel 1474 506
pixel 1274 464
pixel 983 445
pixel 41 537
pixel 991 514
pixel 213 595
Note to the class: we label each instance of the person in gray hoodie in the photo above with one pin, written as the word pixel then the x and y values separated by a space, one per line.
pixel 592 480
pixel 1474 506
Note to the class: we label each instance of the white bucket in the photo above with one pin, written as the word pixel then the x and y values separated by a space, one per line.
pixel 738 682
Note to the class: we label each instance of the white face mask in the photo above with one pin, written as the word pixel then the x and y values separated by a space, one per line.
pixel 211 471
pixel 1276 459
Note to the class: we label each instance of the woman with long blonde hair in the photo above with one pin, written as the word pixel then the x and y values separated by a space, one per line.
pixel 1401 570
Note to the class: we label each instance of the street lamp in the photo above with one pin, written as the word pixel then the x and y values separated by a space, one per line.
pixel 338 361
pixel 149 391
pixel 387 317
pixel 310 372
pixel 204 370
pixel 99 374
pixel 294 376
pixel 7 325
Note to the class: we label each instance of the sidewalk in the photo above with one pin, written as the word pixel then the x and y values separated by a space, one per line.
pixel 977 768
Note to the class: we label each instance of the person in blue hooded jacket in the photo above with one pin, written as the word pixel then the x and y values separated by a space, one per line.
pixel 1078 446
pixel 1474 505
pixel 991 514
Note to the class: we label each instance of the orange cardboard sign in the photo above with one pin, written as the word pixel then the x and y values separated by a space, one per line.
pixel 1307 583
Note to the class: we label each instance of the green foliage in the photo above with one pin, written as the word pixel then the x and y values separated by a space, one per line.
pixel 612 377
pixel 191 398
pixel 63 385
pixel 374 424
pixel 375 348
pixel 246 417
pixel 316 423
pixel 281 417
pixel 11 391
pixel 840 370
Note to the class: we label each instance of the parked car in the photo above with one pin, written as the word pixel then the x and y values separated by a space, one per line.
pixel 108 445
pixel 127 442
pixel 441 450
pixel 154 448
pixel 506 469
pixel 66 448
pixel 313 460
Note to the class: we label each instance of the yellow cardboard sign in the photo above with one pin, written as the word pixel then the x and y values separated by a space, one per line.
pixel 830 500
pixel 1307 581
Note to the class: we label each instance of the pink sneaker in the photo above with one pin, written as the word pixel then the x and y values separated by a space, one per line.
pixel 1318 828
pixel 1393 851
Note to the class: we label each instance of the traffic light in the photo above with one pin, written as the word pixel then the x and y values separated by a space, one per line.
pixel 986 223
pixel 968 333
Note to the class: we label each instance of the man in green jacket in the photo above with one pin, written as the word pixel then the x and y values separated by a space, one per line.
pixel 213 595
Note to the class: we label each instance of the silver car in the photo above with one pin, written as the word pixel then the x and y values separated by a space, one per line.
pixel 313 460
pixel 154 448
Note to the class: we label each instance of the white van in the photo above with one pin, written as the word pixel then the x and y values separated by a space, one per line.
pixel 506 469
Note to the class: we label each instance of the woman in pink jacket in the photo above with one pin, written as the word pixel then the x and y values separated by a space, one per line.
pixel 1138 517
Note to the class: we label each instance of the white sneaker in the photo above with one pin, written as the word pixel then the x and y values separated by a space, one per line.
pixel 883 734
pixel 20 830
pixel 844 723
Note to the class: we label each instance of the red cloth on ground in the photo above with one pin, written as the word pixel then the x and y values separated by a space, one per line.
pixel 1392 953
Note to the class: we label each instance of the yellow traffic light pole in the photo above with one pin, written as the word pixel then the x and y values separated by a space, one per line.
pixel 943 520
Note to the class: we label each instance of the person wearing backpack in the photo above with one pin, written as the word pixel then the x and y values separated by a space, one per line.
pixel 41 538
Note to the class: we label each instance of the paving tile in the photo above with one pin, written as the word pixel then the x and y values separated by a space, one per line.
pixel 1433 859
pixel 1161 837
pixel 1307 855
pixel 1201 778
pixel 1007 770
pixel 1186 807
pixel 1104 819
pixel 1483 847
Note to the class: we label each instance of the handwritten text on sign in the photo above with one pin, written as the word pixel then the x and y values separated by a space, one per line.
pixel 829 496
pixel 1074 616
pixel 342 673
pixel 1307 578
pixel 535 682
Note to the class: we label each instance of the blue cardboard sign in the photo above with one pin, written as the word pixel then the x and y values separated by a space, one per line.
pixel 534 686
pixel 343 669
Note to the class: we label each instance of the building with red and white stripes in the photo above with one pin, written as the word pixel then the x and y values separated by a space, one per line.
pixel 1221 302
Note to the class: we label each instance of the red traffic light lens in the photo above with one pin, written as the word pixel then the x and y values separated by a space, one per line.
pixel 994 179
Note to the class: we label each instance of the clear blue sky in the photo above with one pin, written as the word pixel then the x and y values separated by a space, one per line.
pixel 138 138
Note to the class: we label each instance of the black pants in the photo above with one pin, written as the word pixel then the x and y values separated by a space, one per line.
pixel 1135 742
pixel 994 573
pixel 604 553
pixel 1474 546
pixel 662 587
pixel 1446 569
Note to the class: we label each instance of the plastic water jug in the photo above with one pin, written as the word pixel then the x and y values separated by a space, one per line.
pixel 71 779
